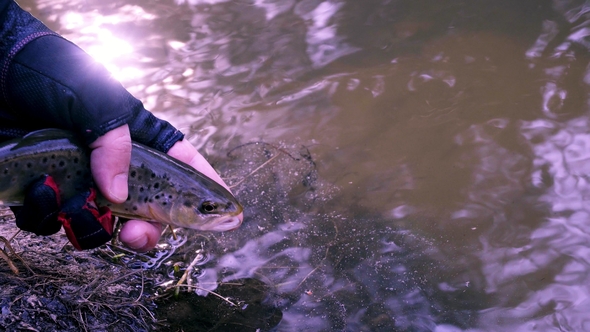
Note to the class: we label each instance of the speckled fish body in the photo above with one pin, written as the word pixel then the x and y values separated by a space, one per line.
pixel 161 188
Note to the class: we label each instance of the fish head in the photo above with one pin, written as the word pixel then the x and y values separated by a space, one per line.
pixel 211 212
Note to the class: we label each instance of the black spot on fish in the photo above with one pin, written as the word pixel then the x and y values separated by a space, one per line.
pixel 29 165
pixel 153 175
pixel 157 197
pixel 5 171
pixel 164 203
pixel 151 200
pixel 15 165
pixel 76 160
pixel 187 203
pixel 145 200
pixel 170 196
pixel 156 185
pixel 142 165
pixel 141 189
pixel 134 208
pixel 61 163
pixel 128 198
pixel 44 160
pixel 69 176
pixel 53 165
pixel 133 174
pixel 78 173
pixel 53 156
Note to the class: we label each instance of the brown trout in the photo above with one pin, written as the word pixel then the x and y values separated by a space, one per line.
pixel 161 188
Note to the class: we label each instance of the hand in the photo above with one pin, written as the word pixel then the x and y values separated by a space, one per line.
pixel 109 162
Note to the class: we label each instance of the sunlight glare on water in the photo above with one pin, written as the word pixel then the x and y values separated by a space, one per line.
pixel 101 42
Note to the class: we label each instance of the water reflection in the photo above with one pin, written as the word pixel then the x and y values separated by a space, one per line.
pixel 430 158
pixel 551 260
pixel 545 270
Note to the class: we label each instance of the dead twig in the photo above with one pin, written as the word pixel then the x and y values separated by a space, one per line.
pixel 325 255
pixel 203 289
pixel 110 282
pixel 4 256
pixel 263 143
pixel 171 228
pixel 254 171
pixel 191 266
pixel 15 234
pixel 142 285
pixel 140 256
pixel 11 265
pixel 82 322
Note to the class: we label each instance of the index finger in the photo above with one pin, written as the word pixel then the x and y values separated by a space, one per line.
pixel 186 152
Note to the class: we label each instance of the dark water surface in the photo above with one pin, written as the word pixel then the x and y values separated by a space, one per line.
pixel 430 157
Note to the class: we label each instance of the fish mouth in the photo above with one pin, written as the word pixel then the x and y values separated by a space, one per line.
pixel 223 223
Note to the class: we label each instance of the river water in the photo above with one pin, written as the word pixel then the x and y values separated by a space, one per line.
pixel 405 165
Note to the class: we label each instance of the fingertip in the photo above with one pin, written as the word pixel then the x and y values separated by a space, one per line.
pixel 140 236
pixel 119 189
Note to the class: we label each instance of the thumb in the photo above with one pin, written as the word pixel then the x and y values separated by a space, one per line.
pixel 109 163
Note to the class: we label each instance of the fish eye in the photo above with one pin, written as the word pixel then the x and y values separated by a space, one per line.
pixel 208 207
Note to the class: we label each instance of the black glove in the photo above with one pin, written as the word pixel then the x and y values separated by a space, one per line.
pixel 46 81
pixel 86 225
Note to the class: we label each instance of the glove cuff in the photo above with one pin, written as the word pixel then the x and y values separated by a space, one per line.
pixel 147 129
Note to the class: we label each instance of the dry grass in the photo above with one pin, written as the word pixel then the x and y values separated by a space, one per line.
pixel 59 289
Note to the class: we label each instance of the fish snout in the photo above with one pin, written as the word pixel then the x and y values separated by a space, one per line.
pixel 225 223
pixel 233 209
